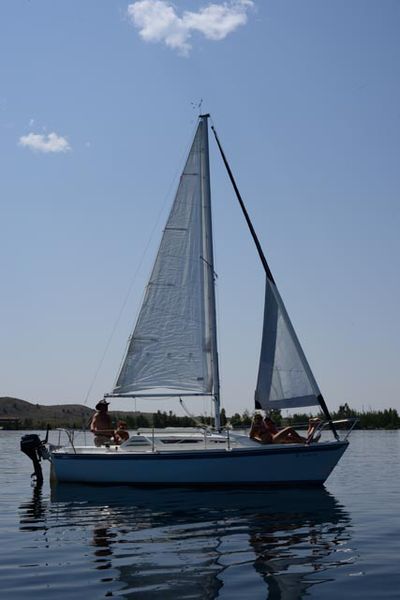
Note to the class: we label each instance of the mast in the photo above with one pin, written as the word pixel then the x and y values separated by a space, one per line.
pixel 208 255
pixel 275 292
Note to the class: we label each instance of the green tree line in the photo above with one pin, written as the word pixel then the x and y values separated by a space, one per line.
pixel 372 419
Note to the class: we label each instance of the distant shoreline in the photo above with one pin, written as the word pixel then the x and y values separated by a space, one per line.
pixel 18 414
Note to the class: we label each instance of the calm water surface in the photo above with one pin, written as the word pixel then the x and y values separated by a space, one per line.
pixel 72 541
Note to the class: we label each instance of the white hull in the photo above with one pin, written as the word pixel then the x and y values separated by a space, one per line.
pixel 261 465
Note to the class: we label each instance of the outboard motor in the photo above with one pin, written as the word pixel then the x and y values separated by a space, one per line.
pixel 35 449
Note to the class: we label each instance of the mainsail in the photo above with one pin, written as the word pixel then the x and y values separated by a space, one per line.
pixel 173 345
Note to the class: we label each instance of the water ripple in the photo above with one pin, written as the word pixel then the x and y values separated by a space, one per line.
pixel 177 543
pixel 77 542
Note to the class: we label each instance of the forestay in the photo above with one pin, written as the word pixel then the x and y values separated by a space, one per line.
pixel 285 379
pixel 172 343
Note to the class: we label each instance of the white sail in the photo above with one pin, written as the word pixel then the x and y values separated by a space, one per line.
pixel 174 343
pixel 285 379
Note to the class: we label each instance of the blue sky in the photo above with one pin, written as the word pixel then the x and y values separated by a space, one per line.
pixel 96 114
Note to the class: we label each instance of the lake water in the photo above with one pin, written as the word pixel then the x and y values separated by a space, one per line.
pixel 71 541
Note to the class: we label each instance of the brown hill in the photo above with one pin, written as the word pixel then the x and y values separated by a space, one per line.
pixel 39 415
pixel 15 412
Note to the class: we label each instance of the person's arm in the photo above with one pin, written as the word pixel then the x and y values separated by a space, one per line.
pixel 93 425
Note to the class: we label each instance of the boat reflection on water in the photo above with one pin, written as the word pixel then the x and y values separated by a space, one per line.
pixel 185 543
pixel 34 512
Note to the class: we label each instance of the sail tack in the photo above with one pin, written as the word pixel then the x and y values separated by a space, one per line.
pixel 284 377
pixel 171 346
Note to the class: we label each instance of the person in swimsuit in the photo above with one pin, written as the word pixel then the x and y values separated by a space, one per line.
pixel 265 431
pixel 258 430
pixel 121 433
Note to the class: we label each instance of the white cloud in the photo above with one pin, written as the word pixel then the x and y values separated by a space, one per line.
pixel 45 143
pixel 157 21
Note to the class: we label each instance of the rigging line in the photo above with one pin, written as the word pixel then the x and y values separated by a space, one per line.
pixel 268 273
pixel 141 260
pixel 119 316
pixel 189 414
pixel 244 210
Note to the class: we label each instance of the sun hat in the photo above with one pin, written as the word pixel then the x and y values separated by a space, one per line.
pixel 101 404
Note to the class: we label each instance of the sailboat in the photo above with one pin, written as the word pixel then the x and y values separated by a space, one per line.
pixel 173 353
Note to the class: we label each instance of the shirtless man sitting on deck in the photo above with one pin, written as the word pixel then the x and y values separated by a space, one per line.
pixel 101 424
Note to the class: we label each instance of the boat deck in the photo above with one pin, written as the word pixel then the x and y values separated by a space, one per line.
pixel 176 441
